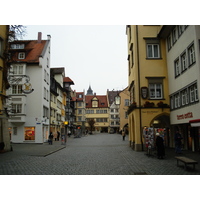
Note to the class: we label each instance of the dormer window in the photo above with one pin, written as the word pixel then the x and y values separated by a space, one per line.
pixel 17 46
pixel 95 102
pixel 21 55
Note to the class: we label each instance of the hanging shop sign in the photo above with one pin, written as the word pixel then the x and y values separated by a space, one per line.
pixel 27 88
pixel 144 92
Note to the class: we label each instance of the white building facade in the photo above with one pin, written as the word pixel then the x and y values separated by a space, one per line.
pixel 30 114
pixel 182 43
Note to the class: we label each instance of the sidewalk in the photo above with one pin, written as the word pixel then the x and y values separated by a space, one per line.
pixel 37 149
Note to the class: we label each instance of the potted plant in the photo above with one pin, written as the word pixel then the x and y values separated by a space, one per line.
pixel 149 104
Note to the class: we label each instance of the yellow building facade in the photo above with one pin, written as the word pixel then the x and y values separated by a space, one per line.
pixel 4 132
pixel 148 83
pixel 98 110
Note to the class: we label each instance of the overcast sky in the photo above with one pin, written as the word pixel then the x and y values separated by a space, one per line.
pixel 93 55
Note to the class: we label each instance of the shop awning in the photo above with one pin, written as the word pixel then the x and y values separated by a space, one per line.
pixel 195 123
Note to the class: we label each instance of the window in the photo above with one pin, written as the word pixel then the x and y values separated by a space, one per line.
pixel 17 108
pixel 45 112
pixel 155 91
pixel 153 51
pixel 196 92
pixel 126 102
pixel 21 55
pixel 126 115
pixel 174 35
pixel 169 43
pixel 172 102
pixel 89 111
pixel 17 69
pixel 79 111
pixel 192 94
pixel 183 95
pixel 177 67
pixel 186 96
pixel 16 89
pixel 177 100
pixel 180 30
pixel 184 61
pixel 191 55
pixel 17 46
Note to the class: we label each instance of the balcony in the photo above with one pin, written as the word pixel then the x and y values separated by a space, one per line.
pixel 17 119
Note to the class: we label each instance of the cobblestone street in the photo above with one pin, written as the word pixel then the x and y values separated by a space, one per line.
pixel 98 154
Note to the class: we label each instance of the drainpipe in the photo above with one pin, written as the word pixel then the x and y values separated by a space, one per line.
pixel 140 111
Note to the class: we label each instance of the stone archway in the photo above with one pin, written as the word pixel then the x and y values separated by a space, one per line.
pixel 162 121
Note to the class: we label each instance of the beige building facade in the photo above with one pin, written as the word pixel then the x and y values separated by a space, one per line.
pixel 123 108
pixel 148 83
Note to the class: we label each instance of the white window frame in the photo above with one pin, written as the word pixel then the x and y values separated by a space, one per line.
pixel 18 69
pixel 17 46
pixel 17 108
pixel 192 94
pixel 177 100
pixel 152 47
pixel 21 55
pixel 153 90
pixel 184 61
pixel 174 35
pixel 191 54
pixel 196 92
pixel 17 89
pixel 169 42
pixel 177 67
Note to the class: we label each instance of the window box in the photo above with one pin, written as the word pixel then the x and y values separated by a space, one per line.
pixel 162 105
pixel 149 104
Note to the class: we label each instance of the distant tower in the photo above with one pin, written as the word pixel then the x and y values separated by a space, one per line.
pixel 89 91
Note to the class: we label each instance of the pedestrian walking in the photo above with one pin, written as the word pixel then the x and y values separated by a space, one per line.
pixel 178 142
pixel 123 135
pixel 50 138
pixel 160 146
pixel 55 136
pixel 58 135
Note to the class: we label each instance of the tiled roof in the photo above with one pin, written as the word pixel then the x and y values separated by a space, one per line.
pixel 33 50
pixel 68 80
pixel 77 96
pixel 102 101
pixel 112 95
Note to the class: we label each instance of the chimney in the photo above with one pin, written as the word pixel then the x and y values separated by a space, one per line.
pixel 39 37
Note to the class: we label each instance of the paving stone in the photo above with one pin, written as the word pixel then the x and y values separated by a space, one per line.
pixel 98 154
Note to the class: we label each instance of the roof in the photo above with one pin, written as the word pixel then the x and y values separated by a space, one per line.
pixel 68 80
pixel 102 101
pixel 112 95
pixel 32 49
pixel 77 96
pixel 57 70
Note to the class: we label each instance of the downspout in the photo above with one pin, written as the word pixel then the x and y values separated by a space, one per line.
pixel 140 111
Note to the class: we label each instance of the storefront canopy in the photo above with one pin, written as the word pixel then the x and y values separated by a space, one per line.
pixel 195 123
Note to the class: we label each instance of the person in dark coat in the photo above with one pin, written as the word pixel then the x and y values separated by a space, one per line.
pixel 160 146
pixel 51 138
pixel 58 135
pixel 178 142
